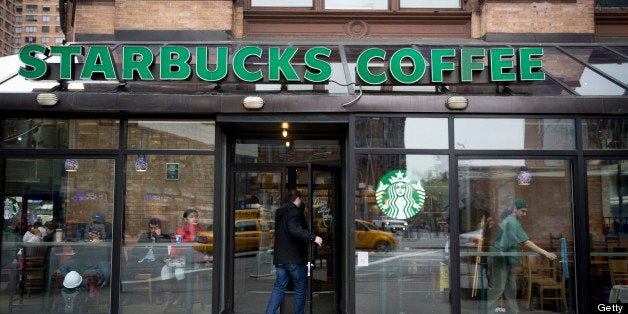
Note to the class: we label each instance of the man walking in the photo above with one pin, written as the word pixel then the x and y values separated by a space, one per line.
pixel 290 253
pixel 503 264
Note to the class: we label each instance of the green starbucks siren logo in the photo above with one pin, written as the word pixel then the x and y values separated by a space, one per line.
pixel 399 196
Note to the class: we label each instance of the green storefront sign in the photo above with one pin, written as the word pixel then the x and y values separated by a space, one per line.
pixel 404 66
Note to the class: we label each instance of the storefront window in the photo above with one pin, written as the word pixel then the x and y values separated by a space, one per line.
pixel 607 183
pixel 57 234
pixel 168 196
pixel 401 132
pixel 605 133
pixel 502 219
pixel 293 151
pixel 546 134
pixel 151 134
pixel 59 134
pixel 401 230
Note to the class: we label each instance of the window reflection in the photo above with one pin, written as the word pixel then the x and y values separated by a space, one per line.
pixel 607 182
pixel 605 133
pixel 57 234
pixel 514 134
pixel 500 271
pixel 393 132
pixel 159 271
pixel 55 133
pixel 401 262
pixel 154 134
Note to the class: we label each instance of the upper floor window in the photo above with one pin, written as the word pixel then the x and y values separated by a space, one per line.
pixel 45 7
pixel 31 29
pixel 31 18
pixel 607 4
pixel 359 4
pixel 30 39
pixel 31 7
pixel 45 18
pixel 45 29
pixel 59 40
pixel 356 5
pixel 422 4
pixel 274 3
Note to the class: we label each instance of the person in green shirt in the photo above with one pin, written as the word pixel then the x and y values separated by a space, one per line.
pixel 505 258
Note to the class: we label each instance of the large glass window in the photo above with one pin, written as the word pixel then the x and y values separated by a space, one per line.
pixel 60 134
pixel 57 234
pixel 172 196
pixel 607 183
pixel 153 134
pixel 605 133
pixel 401 229
pixel 515 218
pixel 167 256
pixel 401 132
pixel 494 134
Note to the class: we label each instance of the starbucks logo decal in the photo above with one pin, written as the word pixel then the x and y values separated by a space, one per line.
pixel 11 208
pixel 399 196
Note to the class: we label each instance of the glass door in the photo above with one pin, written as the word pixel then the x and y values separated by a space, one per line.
pixel 322 201
pixel 257 194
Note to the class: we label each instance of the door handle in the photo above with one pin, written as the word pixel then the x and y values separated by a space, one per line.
pixel 309 268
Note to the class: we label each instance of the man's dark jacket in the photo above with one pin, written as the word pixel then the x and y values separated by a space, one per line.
pixel 291 235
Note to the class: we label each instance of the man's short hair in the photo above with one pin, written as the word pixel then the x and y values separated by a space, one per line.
pixel 292 195
pixel 154 221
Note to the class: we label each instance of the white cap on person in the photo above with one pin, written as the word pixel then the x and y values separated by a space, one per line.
pixel 72 280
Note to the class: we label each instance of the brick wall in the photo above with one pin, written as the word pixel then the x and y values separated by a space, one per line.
pixel 87 12
pixel 173 15
pixel 538 17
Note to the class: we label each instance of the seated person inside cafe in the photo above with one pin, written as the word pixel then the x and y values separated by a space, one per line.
pixel 35 233
pixel 89 260
pixel 147 257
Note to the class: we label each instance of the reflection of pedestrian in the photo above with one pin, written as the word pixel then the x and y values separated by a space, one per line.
pixel 290 254
pixel 502 267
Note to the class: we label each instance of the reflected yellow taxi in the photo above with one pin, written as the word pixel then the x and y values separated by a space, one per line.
pixel 368 237
pixel 250 235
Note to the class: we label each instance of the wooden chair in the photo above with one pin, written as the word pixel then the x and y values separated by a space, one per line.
pixel 553 289
pixel 148 287
pixel 34 268
pixel 536 271
pixel 619 271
